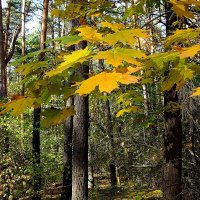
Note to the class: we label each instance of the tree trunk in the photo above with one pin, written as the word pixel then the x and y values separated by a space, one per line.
pixel 80 145
pixel 173 134
pixel 36 114
pixel 3 92
pixel 90 168
pixel 109 128
pixel 67 157
pixel 36 154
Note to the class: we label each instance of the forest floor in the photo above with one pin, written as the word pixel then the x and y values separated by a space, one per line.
pixel 105 192
pixel 123 193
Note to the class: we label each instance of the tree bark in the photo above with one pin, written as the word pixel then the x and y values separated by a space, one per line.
pixel 36 114
pixel 80 135
pixel 109 130
pixel 3 92
pixel 36 154
pixel 67 156
pixel 80 145
pixel 173 133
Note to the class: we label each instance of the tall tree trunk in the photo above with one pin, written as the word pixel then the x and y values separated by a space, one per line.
pixel 3 89
pixel 173 133
pixel 3 92
pixel 80 145
pixel 67 157
pixel 109 130
pixel 80 135
pixel 37 112
pixel 36 154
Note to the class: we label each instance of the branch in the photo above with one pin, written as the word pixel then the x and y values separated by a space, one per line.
pixel 13 43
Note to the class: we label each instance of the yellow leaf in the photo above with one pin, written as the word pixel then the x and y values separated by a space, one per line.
pixel 133 109
pixel 182 36
pixel 18 105
pixel 117 55
pixel 89 34
pixel 106 81
pixel 196 93
pixel 125 36
pixel 181 9
pixel 114 27
pixel 78 56
pixel 189 51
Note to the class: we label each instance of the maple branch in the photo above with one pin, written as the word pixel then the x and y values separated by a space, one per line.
pixel 157 17
pixel 15 36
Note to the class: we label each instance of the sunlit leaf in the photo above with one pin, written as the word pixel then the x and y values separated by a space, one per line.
pixel 78 56
pixel 181 36
pixel 106 81
pixel 125 36
pixel 132 109
pixel 196 92
pixel 189 51
pixel 181 9
pixel 90 34
pixel 18 105
pixel 114 27
pixel 117 55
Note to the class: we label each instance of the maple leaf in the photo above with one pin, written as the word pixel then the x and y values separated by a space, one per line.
pixel 78 56
pixel 106 81
pixel 125 36
pixel 117 55
pixel 131 109
pixel 55 116
pixel 181 10
pixel 18 105
pixel 114 27
pixel 90 34
pixel 182 35
pixel 196 93
pixel 68 40
pixel 29 68
pixel 177 77
pixel 189 51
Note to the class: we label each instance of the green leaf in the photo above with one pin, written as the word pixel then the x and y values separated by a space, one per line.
pixel 67 40
pixel 30 55
pixel 29 68
pixel 53 116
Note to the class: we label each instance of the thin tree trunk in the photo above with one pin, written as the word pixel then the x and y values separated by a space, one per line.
pixel 3 90
pixel 36 154
pixel 67 157
pixel 109 128
pixel 36 114
pixel 90 168
pixel 173 134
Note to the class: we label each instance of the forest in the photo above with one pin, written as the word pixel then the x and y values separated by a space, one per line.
pixel 99 99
